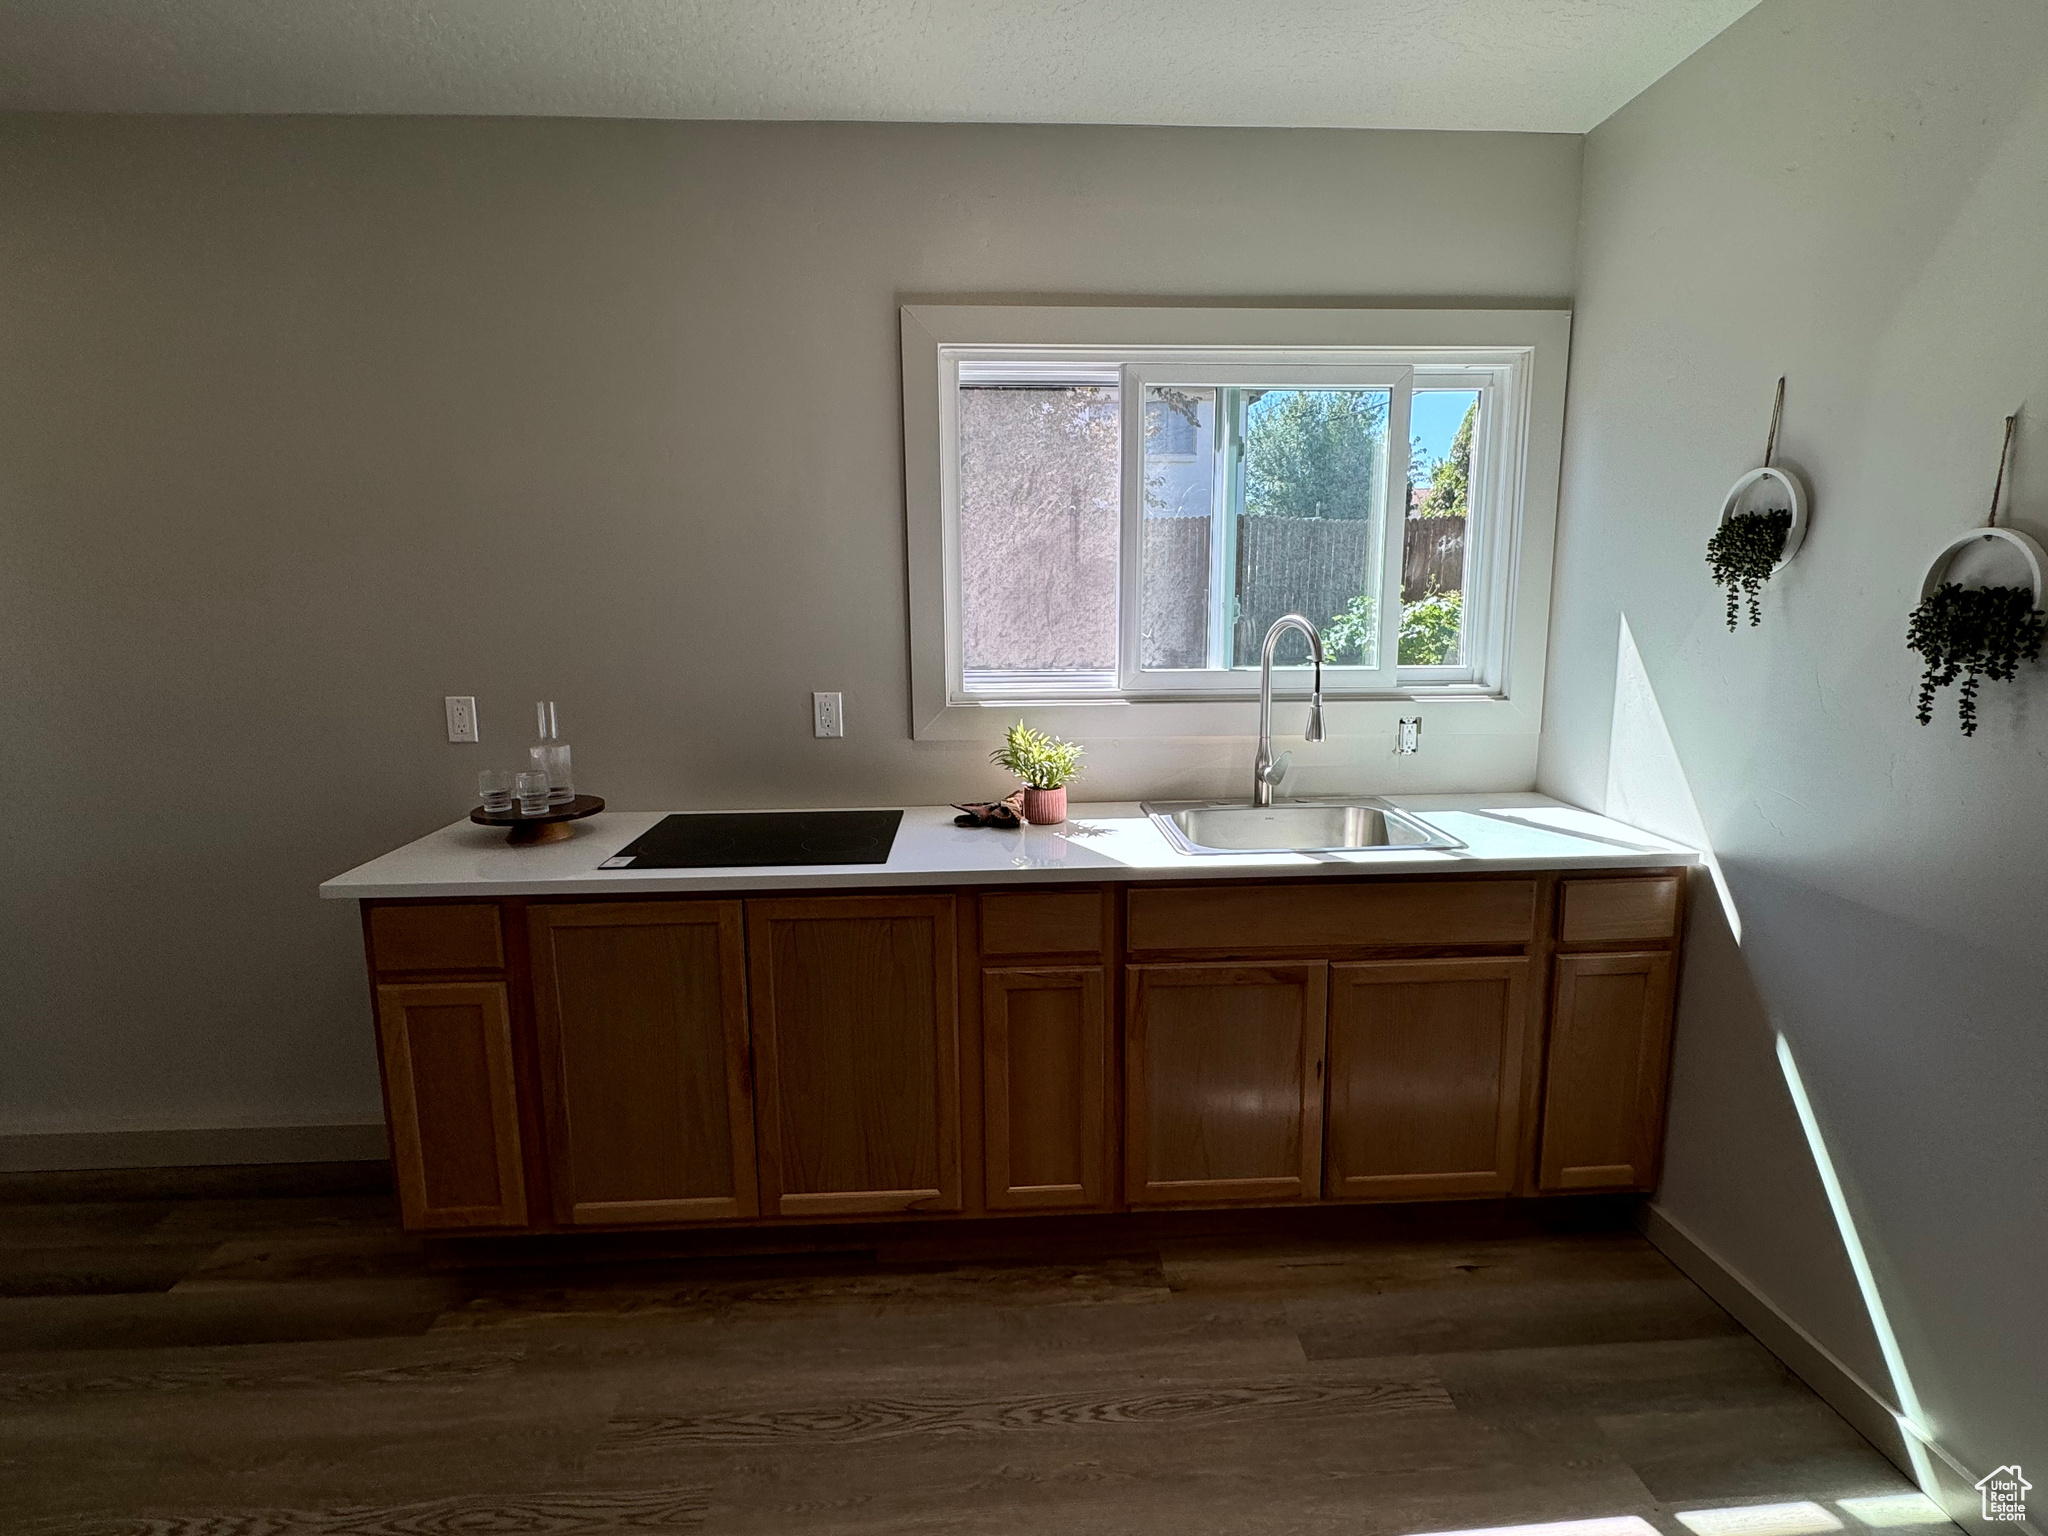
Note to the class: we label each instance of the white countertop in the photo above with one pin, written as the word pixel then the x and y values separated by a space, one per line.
pixel 1110 841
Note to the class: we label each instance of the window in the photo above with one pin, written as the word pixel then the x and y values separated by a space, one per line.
pixel 1124 523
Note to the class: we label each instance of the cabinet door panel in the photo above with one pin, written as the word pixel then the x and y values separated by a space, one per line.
pixel 1044 1065
pixel 1603 1093
pixel 1224 1083
pixel 1425 1077
pixel 454 1110
pixel 856 1049
pixel 641 1008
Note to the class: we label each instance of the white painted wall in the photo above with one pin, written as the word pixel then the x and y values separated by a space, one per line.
pixel 1853 193
pixel 305 423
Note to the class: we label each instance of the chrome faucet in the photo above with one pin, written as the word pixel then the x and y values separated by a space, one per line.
pixel 1266 772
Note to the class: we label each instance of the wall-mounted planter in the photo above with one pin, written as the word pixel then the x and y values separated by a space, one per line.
pixel 1763 523
pixel 1988 627
pixel 1790 492
pixel 2025 559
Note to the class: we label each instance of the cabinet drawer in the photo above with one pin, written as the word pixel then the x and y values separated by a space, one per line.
pixel 463 938
pixel 1240 919
pixel 1041 923
pixel 1603 911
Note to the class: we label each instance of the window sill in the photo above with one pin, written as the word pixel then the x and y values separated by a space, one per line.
pixel 1464 709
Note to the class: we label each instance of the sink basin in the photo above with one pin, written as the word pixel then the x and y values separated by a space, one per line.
pixel 1294 826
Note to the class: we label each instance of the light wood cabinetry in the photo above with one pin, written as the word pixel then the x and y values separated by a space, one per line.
pixel 856 1054
pixel 1426 1062
pixel 452 1103
pixel 1325 915
pixel 1614 911
pixel 1603 1104
pixel 641 1016
pixel 1223 1083
pixel 658 1061
pixel 1045 1070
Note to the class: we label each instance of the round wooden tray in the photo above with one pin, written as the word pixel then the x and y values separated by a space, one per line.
pixel 550 827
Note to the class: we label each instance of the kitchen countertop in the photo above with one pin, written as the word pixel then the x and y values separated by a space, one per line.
pixel 1108 841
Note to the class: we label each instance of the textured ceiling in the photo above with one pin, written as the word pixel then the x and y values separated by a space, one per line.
pixel 1539 65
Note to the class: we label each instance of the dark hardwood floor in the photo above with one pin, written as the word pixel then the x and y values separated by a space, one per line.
pixel 260 1353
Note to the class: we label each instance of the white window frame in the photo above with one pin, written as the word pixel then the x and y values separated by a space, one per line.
pixel 1515 358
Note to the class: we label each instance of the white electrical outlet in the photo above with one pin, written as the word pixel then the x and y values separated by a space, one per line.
pixel 828 716
pixel 461 717
pixel 1409 740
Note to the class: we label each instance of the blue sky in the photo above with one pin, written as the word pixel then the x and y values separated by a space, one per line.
pixel 1433 417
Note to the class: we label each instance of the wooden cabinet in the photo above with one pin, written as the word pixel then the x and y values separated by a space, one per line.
pixel 1426 1063
pixel 1627 910
pixel 1045 1072
pixel 856 1054
pixel 453 1106
pixel 1603 1101
pixel 646 1060
pixel 641 1014
pixel 1223 1083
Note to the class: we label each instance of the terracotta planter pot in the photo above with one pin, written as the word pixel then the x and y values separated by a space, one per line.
pixel 1045 807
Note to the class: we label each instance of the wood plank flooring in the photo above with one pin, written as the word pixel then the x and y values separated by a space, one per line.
pixel 261 1353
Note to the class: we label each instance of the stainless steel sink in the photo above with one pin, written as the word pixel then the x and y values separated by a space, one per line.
pixel 1297 826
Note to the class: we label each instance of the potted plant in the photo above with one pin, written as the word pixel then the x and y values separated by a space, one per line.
pixel 1753 542
pixel 1743 552
pixel 1972 632
pixel 1046 765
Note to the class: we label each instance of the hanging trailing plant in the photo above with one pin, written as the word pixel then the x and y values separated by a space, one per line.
pixel 1750 545
pixel 1972 633
pixel 1977 632
pixel 1742 554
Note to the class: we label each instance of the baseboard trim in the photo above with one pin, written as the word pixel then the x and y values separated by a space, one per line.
pixel 1871 1412
pixel 64 1151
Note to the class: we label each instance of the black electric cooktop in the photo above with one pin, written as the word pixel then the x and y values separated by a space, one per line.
pixel 733 839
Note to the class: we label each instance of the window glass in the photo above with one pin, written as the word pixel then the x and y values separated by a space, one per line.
pixel 1443 424
pixel 1177 530
pixel 1315 486
pixel 1038 503
pixel 1280 512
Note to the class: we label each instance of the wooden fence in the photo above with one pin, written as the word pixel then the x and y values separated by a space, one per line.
pixel 1432 557
pixel 1309 565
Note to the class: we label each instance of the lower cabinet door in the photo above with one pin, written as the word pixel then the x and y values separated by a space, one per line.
pixel 856 1053
pixel 1224 1083
pixel 1426 1071
pixel 454 1111
pixel 642 1017
pixel 1603 1091
pixel 1045 1049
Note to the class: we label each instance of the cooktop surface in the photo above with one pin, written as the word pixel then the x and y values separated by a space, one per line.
pixel 735 839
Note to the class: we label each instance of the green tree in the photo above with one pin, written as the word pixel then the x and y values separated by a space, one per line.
pixel 1450 479
pixel 1314 452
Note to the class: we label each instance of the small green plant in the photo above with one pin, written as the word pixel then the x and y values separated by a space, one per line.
pixel 1742 554
pixel 1041 761
pixel 1431 627
pixel 1972 632
pixel 1346 636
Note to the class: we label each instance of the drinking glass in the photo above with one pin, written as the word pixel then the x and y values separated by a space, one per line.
pixel 533 794
pixel 495 785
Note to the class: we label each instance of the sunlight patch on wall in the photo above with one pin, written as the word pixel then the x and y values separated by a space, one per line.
pixel 1646 783
pixel 1912 1421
